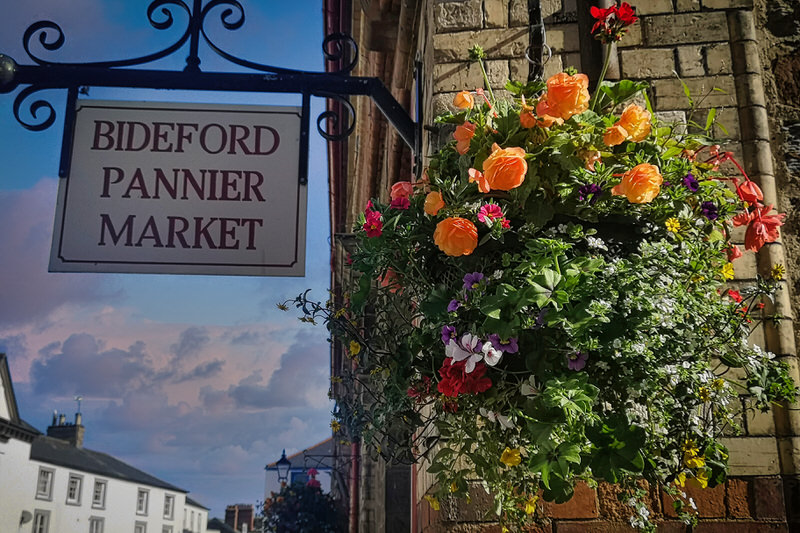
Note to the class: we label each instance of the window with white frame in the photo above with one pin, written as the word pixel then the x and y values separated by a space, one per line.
pixel 166 529
pixel 99 494
pixel 169 506
pixel 44 486
pixel 96 524
pixel 140 527
pixel 41 521
pixel 141 501
pixel 74 489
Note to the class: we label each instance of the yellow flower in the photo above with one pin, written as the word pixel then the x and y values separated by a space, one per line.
pixel 453 487
pixel 673 225
pixel 717 384
pixel 727 271
pixel 691 455
pixel 335 426
pixel 283 307
pixel 778 271
pixel 680 479
pixel 704 394
pixel 433 501
pixel 530 505
pixel 355 348
pixel 700 480
pixel 511 457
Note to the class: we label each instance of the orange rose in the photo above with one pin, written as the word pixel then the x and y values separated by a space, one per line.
pixel 476 176
pixel 615 135
pixel 566 96
pixel 464 100
pixel 505 168
pixel 463 135
pixel 526 117
pixel 636 121
pixel 640 184
pixel 456 236
pixel 433 202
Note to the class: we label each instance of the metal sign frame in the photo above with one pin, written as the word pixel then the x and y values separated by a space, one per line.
pixel 337 48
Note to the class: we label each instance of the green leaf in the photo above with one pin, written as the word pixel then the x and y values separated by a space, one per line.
pixel 710 118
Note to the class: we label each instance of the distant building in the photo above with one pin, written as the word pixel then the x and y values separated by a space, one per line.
pixel 240 516
pixel 215 525
pixel 52 484
pixel 319 456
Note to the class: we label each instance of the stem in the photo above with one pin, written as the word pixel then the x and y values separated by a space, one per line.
pixel 606 62
pixel 486 81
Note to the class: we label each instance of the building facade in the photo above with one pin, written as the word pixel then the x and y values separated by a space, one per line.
pixel 748 49
pixel 52 484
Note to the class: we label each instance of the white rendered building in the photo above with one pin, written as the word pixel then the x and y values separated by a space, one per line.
pixel 52 484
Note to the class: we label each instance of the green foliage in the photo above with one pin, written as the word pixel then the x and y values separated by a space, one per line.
pixel 301 508
pixel 599 324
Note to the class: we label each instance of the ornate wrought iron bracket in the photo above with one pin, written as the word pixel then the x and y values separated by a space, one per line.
pixel 339 49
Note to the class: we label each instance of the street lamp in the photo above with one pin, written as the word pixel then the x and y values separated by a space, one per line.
pixel 283 465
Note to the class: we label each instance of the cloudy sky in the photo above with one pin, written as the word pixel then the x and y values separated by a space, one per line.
pixel 199 380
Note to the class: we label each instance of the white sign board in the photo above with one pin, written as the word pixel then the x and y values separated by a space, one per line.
pixel 176 188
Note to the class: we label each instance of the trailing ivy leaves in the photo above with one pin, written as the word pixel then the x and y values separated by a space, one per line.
pixel 617 449
pixel 614 93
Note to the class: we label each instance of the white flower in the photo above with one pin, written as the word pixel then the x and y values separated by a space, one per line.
pixel 497 417
pixel 529 388
pixel 594 242
pixel 491 355
pixel 464 349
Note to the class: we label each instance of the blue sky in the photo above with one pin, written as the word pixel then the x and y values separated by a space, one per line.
pixel 199 380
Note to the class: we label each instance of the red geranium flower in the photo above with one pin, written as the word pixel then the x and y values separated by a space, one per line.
pixel 456 380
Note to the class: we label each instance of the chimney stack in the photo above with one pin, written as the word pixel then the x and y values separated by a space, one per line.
pixel 72 433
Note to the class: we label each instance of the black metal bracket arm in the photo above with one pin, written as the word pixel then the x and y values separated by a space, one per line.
pixel 337 48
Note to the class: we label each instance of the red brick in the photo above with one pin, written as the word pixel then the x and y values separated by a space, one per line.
pixel 612 508
pixel 741 526
pixel 739 503
pixel 673 526
pixel 594 527
pixel 768 498
pixel 710 502
pixel 582 505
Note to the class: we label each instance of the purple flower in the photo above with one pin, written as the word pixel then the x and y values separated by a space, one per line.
pixel 577 360
pixel 666 185
pixel 453 306
pixel 589 192
pixel 471 281
pixel 540 318
pixel 690 183
pixel 507 347
pixel 709 210
pixel 448 333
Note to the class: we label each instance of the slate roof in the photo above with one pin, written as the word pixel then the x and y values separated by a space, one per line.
pixel 318 456
pixel 217 524
pixel 61 453
pixel 193 503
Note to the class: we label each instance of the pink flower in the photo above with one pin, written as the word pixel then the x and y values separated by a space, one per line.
pixel 401 189
pixel 488 213
pixel 400 203
pixel 763 228
pixel 314 484
pixel 312 472
pixel 373 224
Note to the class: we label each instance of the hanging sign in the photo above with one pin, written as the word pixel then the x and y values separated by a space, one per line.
pixel 176 188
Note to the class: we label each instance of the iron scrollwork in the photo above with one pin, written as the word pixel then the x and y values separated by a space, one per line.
pixel 34 107
pixel 336 84
pixel 336 124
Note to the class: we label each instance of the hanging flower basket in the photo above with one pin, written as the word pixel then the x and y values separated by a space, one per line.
pixel 551 300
